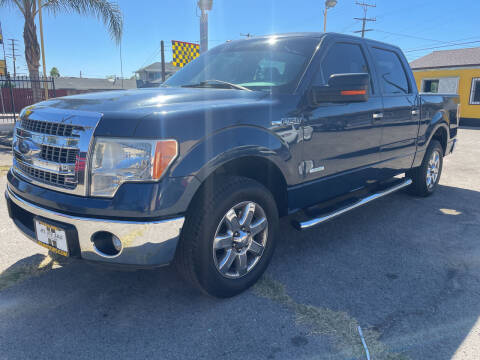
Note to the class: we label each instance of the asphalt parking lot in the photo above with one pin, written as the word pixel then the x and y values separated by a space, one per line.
pixel 407 270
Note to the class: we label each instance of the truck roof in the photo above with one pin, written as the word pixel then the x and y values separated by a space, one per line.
pixel 318 35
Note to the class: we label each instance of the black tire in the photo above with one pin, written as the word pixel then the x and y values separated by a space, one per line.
pixel 419 175
pixel 195 255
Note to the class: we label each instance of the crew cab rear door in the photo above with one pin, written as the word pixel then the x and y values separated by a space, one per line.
pixel 343 137
pixel 399 121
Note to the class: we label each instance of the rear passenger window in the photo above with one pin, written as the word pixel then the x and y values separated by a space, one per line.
pixel 342 58
pixel 390 71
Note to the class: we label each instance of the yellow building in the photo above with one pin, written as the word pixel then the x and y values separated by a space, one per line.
pixel 452 72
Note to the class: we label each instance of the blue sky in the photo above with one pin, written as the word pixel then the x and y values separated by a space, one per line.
pixel 75 43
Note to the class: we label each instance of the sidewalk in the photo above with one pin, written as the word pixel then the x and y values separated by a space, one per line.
pixel 6 128
pixel 5 150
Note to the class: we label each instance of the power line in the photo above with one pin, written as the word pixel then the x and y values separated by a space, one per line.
pixel 344 29
pixel 410 36
pixel 427 25
pixel 152 56
pixel 443 46
pixel 364 20
pixel 448 42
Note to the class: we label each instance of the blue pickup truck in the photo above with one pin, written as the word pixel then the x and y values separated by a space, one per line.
pixel 198 171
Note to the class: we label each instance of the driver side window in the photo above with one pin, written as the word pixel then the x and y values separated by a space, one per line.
pixel 342 58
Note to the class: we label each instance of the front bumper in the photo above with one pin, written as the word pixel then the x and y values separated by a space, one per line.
pixel 144 244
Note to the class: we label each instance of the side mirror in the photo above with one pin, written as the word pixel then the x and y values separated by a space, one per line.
pixel 341 88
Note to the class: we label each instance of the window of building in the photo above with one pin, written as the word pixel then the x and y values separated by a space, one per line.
pixel 154 75
pixel 442 85
pixel 475 92
pixel 390 69
pixel 430 86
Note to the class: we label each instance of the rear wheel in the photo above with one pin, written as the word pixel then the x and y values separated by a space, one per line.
pixel 427 176
pixel 229 236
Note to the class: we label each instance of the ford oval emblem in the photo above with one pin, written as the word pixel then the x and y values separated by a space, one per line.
pixel 23 147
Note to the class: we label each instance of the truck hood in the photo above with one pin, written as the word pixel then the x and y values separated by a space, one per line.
pixel 145 101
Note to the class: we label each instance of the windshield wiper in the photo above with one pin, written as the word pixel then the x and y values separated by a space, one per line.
pixel 219 82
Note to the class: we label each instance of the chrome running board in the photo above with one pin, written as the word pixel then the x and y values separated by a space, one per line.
pixel 328 216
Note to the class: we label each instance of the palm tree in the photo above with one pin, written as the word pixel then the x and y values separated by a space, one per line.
pixel 107 11
pixel 54 72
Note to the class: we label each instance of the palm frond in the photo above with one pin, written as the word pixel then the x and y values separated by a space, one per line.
pixel 6 3
pixel 106 11
pixel 12 4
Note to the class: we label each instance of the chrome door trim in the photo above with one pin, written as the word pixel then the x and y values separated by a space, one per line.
pixel 317 169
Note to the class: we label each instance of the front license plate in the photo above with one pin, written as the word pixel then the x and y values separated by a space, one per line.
pixel 51 237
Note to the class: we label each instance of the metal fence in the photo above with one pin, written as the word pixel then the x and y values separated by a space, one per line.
pixel 20 91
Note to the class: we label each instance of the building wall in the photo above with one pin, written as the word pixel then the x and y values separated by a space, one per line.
pixel 464 87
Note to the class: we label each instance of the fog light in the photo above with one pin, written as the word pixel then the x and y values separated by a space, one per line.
pixel 117 243
pixel 106 244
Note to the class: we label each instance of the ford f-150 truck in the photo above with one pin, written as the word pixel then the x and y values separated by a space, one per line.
pixel 198 171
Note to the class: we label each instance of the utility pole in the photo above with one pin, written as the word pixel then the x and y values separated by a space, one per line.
pixel 5 73
pixel 40 22
pixel 121 63
pixel 162 50
pixel 4 56
pixel 2 42
pixel 14 58
pixel 328 5
pixel 364 20
pixel 204 5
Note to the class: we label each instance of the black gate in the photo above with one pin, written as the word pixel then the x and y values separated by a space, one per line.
pixel 20 91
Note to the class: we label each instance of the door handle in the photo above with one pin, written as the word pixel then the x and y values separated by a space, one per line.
pixel 377 116
pixel 415 112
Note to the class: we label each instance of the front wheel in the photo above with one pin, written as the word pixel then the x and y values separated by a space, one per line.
pixel 427 176
pixel 229 236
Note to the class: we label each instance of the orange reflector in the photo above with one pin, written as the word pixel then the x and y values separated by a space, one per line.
pixel 353 92
pixel 165 152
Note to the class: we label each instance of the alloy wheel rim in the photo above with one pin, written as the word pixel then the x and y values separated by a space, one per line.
pixel 240 240
pixel 433 169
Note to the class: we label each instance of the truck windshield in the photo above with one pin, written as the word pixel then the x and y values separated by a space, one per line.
pixel 256 64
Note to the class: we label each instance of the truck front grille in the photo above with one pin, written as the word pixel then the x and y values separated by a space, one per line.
pixel 47 177
pixel 59 155
pixel 50 128
pixel 50 147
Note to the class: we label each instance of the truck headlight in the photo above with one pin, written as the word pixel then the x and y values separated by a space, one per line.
pixel 116 161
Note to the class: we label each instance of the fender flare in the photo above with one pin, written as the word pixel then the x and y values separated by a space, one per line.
pixel 230 144
pixel 439 120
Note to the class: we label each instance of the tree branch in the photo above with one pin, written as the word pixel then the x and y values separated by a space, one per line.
pixel 46 3
pixel 20 7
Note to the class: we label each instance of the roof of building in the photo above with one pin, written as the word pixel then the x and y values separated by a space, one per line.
pixel 157 67
pixel 448 58
pixel 94 84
